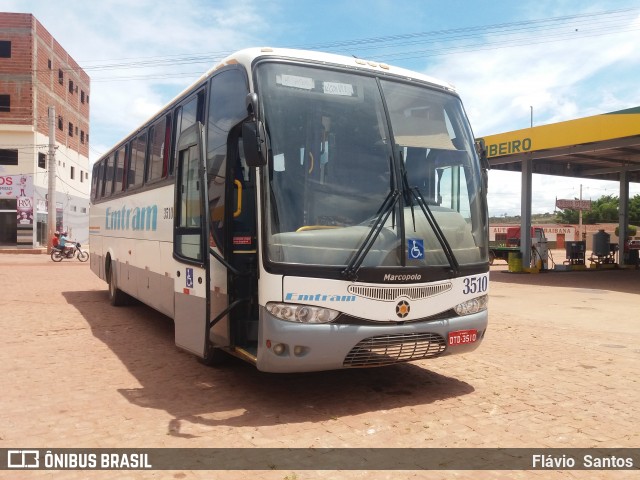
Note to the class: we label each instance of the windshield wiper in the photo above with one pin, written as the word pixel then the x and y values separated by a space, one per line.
pixel 351 271
pixel 446 247
pixel 414 193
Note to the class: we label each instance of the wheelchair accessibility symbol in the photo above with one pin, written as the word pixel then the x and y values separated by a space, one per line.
pixel 415 248
pixel 189 277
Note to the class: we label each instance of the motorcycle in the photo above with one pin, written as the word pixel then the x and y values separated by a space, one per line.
pixel 69 251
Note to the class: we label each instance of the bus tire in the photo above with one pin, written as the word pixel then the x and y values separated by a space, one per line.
pixel 214 357
pixel 117 297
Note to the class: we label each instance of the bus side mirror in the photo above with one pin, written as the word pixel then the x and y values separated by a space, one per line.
pixel 481 150
pixel 254 142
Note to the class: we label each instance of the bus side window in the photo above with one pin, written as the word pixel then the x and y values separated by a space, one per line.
pixel 100 183
pixel 94 180
pixel 188 240
pixel 184 116
pixel 175 134
pixel 120 165
pixel 138 148
pixel 108 177
pixel 156 160
pixel 227 93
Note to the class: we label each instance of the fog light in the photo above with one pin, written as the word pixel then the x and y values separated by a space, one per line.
pixel 278 348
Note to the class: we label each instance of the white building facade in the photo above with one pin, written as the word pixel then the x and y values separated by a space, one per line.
pixel 36 73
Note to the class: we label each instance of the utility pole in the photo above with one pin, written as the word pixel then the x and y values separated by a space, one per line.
pixel 580 215
pixel 51 191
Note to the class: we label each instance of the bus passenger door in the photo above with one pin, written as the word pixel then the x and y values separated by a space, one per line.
pixel 190 246
pixel 243 288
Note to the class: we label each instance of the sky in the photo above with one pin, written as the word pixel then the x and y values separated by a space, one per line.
pixel 512 63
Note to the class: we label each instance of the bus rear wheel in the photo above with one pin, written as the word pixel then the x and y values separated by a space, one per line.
pixel 117 297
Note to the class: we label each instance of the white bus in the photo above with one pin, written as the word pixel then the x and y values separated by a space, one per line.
pixel 302 211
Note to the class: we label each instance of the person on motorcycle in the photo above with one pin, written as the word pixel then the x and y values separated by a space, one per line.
pixel 64 242
pixel 55 240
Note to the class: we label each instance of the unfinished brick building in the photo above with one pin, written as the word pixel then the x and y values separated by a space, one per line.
pixel 37 73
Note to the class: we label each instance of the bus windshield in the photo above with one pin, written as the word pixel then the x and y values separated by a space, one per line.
pixel 371 166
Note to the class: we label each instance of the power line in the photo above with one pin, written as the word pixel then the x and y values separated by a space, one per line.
pixel 502 35
pixel 70 186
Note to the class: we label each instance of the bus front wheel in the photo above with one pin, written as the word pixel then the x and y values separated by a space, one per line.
pixel 214 357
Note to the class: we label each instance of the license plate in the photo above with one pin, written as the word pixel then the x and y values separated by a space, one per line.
pixel 460 337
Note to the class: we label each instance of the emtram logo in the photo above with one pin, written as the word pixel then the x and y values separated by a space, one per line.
pixel 137 218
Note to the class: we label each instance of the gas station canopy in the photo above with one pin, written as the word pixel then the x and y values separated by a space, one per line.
pixel 600 147
pixel 597 147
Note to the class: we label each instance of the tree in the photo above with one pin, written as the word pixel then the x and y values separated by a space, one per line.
pixel 603 210
pixel 634 210
pixel 631 231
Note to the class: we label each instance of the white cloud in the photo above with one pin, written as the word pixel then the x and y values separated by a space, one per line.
pixel 125 33
pixel 561 80
pixel 498 86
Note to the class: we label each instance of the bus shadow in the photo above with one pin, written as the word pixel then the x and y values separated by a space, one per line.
pixel 237 394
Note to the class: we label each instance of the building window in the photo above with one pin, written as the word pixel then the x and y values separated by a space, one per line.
pixel 81 96
pixel 5 48
pixel 83 210
pixel 74 208
pixel 70 86
pixel 60 77
pixel 8 157
pixel 73 173
pixel 76 131
pixel 70 129
pixel 60 123
pixel 5 103
pixel 81 136
pixel 87 98
pixel 42 160
pixel 49 64
pixel 81 176
pixel 86 175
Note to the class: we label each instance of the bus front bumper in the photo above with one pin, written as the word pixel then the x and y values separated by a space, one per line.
pixel 294 347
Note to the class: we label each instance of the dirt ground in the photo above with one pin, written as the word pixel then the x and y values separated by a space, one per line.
pixel 558 368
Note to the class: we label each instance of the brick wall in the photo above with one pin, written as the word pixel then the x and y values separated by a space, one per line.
pixel 15 72
pixel 32 78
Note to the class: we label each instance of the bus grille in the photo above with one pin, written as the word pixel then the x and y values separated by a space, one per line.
pixel 390 294
pixel 389 349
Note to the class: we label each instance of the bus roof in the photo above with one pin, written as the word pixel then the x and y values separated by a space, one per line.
pixel 248 55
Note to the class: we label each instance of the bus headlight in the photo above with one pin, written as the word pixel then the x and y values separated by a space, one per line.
pixel 474 305
pixel 301 313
